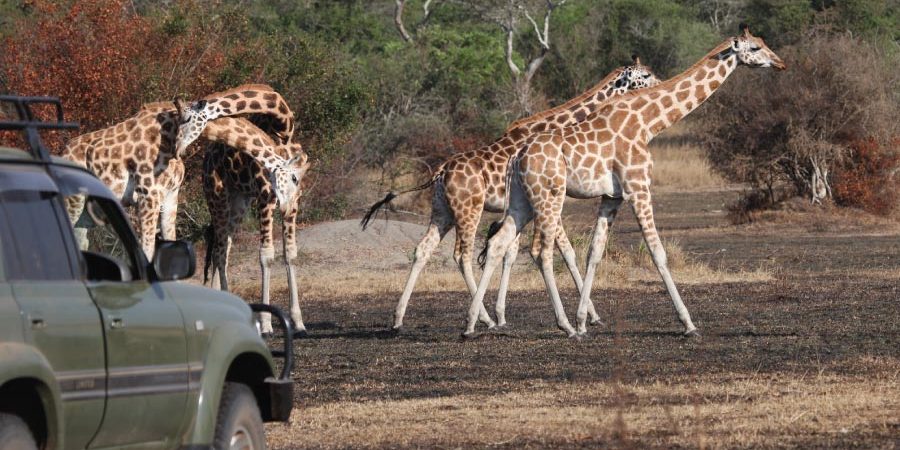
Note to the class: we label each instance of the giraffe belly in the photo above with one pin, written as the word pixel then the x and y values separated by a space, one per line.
pixel 580 184
pixel 495 203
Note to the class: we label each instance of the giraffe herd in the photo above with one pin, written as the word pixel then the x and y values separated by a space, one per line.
pixel 593 146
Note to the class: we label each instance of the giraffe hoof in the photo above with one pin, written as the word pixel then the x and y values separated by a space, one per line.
pixel 693 334
pixel 301 333
pixel 597 322
pixel 469 335
pixel 576 336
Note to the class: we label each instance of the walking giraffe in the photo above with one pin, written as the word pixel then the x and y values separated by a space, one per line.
pixel 244 165
pixel 136 158
pixel 473 181
pixel 606 156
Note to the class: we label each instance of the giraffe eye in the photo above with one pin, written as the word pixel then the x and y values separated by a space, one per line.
pixel 755 49
pixel 294 178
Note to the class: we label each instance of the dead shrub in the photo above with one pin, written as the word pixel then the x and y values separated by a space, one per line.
pixel 866 179
pixel 795 131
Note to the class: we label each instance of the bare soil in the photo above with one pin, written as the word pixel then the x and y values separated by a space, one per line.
pixel 809 358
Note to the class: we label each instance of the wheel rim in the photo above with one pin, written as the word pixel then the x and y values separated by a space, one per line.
pixel 241 440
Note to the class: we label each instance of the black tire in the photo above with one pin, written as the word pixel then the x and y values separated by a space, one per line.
pixel 239 424
pixel 14 433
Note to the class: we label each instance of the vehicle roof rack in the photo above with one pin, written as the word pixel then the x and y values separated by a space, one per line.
pixel 29 126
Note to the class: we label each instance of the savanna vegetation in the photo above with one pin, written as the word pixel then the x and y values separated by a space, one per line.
pixel 391 88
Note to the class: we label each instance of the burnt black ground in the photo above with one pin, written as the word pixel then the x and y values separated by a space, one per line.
pixel 825 312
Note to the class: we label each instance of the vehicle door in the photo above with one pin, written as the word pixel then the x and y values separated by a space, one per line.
pixel 60 319
pixel 146 348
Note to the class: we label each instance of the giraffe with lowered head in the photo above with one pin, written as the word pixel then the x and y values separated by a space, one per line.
pixel 607 156
pixel 473 181
pixel 137 159
pixel 242 165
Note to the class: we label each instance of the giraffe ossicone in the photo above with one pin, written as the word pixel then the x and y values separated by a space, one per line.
pixel 607 156
pixel 471 182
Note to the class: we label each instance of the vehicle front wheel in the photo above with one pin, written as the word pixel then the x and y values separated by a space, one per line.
pixel 14 433
pixel 239 425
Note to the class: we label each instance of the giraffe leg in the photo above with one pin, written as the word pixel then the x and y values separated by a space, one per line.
pixel 148 217
pixel 74 207
pixel 465 244
pixel 643 210
pixel 568 254
pixel 226 220
pixel 608 208
pixel 441 222
pixel 518 214
pixel 289 241
pixel 433 237
pixel 508 260
pixel 546 225
pixel 174 176
pixel 266 257
pixel 169 214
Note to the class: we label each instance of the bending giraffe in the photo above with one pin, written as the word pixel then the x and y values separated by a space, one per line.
pixel 263 171
pixel 473 181
pixel 137 159
pixel 607 156
pixel 257 99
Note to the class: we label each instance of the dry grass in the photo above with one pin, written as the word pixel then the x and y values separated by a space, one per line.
pixel 622 266
pixel 723 411
pixel 680 166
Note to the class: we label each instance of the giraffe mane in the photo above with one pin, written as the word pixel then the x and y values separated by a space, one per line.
pixel 158 105
pixel 241 88
pixel 570 103
pixel 667 84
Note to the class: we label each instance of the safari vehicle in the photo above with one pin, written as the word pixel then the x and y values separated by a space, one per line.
pixel 98 347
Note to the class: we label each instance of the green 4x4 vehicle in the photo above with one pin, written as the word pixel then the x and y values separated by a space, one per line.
pixel 100 348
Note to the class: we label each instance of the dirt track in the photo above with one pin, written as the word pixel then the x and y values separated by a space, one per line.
pixel 811 359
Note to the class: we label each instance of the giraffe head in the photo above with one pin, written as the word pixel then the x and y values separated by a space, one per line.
pixel 287 179
pixel 635 76
pixel 752 51
pixel 192 119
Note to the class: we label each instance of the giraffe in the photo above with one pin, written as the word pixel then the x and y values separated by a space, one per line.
pixel 245 99
pixel 261 170
pixel 606 156
pixel 473 181
pixel 137 160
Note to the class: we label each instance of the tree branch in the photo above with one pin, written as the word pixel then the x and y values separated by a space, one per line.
pixel 398 20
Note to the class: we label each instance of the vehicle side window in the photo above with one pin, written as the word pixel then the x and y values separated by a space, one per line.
pixel 34 247
pixel 100 229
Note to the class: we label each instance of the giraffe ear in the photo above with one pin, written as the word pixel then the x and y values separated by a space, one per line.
pixel 198 105
pixel 636 59
pixel 744 29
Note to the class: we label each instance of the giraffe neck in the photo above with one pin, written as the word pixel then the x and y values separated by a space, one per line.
pixel 662 106
pixel 575 110
pixel 252 99
pixel 245 137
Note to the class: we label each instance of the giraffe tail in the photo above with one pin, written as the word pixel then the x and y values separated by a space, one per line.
pixel 209 234
pixel 392 195
pixel 492 230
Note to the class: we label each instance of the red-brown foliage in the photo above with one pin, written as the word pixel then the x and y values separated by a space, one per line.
pixel 867 178
pixel 104 60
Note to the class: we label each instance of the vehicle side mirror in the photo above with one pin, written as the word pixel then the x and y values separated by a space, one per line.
pixel 174 260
